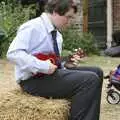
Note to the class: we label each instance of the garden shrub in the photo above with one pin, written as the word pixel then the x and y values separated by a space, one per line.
pixel 12 14
pixel 2 38
pixel 11 17
pixel 75 39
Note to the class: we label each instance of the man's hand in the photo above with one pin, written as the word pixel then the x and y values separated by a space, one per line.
pixel 75 59
pixel 52 68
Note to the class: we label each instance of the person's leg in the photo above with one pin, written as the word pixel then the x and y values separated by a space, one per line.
pixel 82 87
pixel 96 70
pixel 86 101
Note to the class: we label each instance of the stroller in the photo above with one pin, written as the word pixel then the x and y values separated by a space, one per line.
pixel 113 92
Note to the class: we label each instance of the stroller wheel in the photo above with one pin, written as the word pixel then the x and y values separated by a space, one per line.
pixel 113 97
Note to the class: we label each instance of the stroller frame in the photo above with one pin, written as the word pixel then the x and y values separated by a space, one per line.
pixel 113 88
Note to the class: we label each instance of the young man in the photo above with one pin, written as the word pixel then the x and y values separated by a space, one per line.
pixel 39 76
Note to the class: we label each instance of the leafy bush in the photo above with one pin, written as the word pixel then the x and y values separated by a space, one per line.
pixel 74 39
pixel 11 16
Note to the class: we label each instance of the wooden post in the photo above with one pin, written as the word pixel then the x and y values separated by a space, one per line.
pixel 85 15
pixel 109 23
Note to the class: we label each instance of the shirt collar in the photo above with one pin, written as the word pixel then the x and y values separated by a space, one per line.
pixel 48 24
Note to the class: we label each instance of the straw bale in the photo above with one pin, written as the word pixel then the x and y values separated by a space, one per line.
pixel 17 105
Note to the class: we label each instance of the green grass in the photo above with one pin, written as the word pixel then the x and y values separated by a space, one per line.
pixel 106 63
pixel 102 61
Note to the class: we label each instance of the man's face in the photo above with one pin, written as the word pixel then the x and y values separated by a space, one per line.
pixel 64 20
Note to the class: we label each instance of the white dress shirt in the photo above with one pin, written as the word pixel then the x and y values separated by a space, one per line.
pixel 32 37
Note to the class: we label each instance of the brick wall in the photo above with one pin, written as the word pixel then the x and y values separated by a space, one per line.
pixel 116 15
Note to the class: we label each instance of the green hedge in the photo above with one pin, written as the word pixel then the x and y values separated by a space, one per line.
pixel 74 39
pixel 11 17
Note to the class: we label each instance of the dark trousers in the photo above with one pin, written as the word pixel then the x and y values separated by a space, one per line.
pixel 82 85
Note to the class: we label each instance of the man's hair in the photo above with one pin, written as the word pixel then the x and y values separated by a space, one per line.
pixel 60 6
